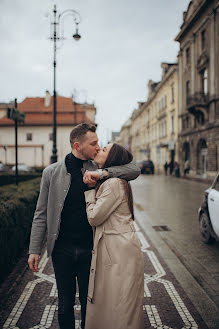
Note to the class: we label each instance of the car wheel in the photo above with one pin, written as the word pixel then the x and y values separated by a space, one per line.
pixel 205 229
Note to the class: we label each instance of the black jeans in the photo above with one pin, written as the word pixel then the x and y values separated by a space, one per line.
pixel 71 262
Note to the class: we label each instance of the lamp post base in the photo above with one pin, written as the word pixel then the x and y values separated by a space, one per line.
pixel 53 158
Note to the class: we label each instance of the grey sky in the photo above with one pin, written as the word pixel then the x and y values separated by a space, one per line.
pixel 123 43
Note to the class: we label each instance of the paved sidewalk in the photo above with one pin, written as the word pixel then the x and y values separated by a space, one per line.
pixel 33 303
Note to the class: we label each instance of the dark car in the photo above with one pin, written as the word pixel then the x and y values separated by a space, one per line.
pixel 147 167
pixel 4 168
pixel 209 213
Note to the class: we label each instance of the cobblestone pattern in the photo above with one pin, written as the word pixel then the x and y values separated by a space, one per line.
pixel 166 306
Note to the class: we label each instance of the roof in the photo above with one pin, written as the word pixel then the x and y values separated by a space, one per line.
pixel 68 112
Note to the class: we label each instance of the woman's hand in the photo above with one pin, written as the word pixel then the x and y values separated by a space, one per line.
pixel 91 177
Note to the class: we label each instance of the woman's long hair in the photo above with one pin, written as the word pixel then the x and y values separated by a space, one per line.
pixel 118 156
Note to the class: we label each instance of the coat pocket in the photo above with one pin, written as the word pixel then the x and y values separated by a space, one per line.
pixel 106 254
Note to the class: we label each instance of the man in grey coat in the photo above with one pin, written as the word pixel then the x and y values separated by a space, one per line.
pixel 61 214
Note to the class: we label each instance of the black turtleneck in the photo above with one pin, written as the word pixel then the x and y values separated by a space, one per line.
pixel 74 224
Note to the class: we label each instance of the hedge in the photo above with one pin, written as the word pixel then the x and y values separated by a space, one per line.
pixel 9 178
pixel 17 206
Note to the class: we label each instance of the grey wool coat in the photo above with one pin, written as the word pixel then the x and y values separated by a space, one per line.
pixel 116 284
pixel 54 188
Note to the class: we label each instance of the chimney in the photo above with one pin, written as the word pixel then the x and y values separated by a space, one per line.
pixel 164 67
pixel 47 99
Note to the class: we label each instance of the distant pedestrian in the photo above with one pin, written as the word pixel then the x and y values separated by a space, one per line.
pixel 176 169
pixel 171 167
pixel 165 168
pixel 186 167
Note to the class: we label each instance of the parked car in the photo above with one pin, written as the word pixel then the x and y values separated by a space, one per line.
pixel 146 166
pixel 22 167
pixel 209 213
pixel 3 167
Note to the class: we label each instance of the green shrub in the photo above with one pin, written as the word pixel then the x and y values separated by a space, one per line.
pixel 9 178
pixel 17 206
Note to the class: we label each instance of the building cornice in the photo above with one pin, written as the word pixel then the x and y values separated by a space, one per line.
pixel 158 87
pixel 186 26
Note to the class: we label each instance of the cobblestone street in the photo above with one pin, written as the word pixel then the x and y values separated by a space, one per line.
pixel 166 305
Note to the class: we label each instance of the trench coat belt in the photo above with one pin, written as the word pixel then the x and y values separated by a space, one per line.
pixel 123 228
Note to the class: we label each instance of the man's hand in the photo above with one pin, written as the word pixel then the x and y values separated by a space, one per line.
pixel 91 177
pixel 33 262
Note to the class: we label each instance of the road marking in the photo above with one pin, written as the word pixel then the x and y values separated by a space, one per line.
pixel 151 310
pixel 154 317
pixel 20 305
pixel 47 317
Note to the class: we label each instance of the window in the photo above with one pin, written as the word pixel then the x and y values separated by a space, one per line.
pixel 172 123
pixel 51 136
pixel 187 122
pixel 165 128
pixel 188 56
pixel 29 136
pixel 204 81
pixel 187 88
pixel 203 39
pixel 172 93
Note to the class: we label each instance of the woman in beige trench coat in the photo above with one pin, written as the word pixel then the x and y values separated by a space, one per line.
pixel 116 285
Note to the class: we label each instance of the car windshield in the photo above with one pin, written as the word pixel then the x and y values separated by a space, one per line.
pixel 216 184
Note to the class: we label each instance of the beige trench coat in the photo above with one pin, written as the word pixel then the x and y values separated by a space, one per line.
pixel 116 285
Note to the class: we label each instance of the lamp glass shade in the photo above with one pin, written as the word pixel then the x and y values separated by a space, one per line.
pixel 76 36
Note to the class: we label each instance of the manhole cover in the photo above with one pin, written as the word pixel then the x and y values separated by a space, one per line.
pixel 160 228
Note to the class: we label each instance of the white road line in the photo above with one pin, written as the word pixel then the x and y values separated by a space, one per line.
pixel 47 317
pixel 154 317
pixel 152 312
pixel 170 289
pixel 20 305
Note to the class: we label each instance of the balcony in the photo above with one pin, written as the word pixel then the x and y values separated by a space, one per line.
pixel 197 100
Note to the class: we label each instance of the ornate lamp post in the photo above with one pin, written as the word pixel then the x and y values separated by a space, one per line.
pixel 55 37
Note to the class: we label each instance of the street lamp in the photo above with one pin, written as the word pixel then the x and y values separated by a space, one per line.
pixel 55 37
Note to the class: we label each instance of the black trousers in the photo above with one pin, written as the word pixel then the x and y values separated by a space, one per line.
pixel 70 263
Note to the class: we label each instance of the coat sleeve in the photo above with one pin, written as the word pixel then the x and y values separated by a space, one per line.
pixel 100 208
pixel 128 172
pixel 39 225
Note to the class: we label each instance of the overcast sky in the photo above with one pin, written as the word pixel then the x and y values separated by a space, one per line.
pixel 122 46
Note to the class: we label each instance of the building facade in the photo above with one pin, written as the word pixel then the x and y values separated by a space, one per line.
pixel 152 132
pixel 198 60
pixel 36 134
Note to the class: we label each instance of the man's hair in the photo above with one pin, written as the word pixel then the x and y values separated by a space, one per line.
pixel 78 132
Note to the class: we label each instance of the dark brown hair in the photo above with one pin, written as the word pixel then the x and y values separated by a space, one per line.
pixel 78 132
pixel 119 156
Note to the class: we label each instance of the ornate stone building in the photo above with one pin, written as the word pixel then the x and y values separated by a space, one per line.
pixel 35 135
pixel 198 60
pixel 152 130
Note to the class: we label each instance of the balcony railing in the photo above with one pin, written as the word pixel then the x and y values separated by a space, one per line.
pixel 197 100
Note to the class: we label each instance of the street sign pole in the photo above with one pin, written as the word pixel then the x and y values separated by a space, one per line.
pixel 17 116
pixel 16 147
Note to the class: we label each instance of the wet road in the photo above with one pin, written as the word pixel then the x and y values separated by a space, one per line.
pixel 181 274
pixel 171 202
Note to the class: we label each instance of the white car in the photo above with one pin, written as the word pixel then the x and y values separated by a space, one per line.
pixel 22 167
pixel 209 213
